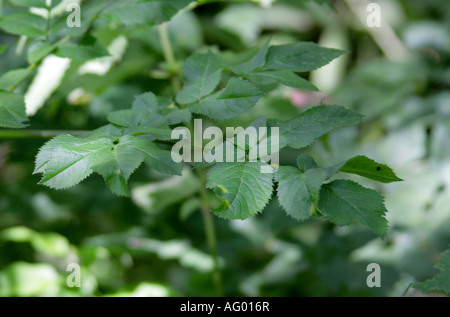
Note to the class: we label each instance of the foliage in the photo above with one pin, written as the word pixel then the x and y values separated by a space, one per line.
pixel 138 69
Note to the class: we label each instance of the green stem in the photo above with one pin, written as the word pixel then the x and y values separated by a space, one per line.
pixel 210 232
pixel 207 216
pixel 37 134
pixel 36 64
pixel 169 57
pixel 47 27
pixel 406 291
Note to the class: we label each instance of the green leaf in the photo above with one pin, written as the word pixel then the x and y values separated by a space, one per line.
pixel 264 80
pixel 148 12
pixel 150 115
pixel 155 157
pixel 299 57
pixel 3 48
pixel 12 110
pixel 11 78
pixel 29 3
pixel 345 202
pixel 27 24
pixel 243 189
pixel 66 160
pixel 255 62
pixel 305 162
pixel 80 52
pixel 366 167
pixel 175 116
pixel 201 75
pixel 312 124
pixel 237 97
pixel 40 50
pixel 297 191
pixel 116 164
pixel 171 113
pixel 441 281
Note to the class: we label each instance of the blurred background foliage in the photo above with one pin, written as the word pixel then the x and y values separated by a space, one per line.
pixel 154 243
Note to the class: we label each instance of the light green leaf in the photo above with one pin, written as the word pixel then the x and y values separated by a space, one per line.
pixel 12 110
pixel 237 97
pixel 27 24
pixel 23 279
pixel 299 57
pixel 243 189
pixel 40 50
pixel 3 48
pixel 315 122
pixel 366 167
pixel 66 160
pixel 345 202
pixel 80 52
pixel 265 80
pixel 201 75
pixel 441 281
pixel 13 77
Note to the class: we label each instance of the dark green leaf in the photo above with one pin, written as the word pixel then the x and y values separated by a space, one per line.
pixel 257 61
pixel 345 202
pixel 297 191
pixel 80 53
pixel 271 78
pixel 148 12
pixel 305 162
pixel 366 167
pixel 441 281
pixel 237 97
pixel 299 57
pixel 315 122
pixel 201 75
pixel 12 110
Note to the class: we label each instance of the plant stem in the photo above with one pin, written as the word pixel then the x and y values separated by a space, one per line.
pixel 207 217
pixel 210 232
pixel 37 134
pixel 407 289
pixel 169 57
pixel 49 10
pixel 36 64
